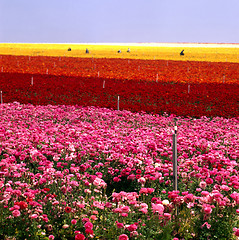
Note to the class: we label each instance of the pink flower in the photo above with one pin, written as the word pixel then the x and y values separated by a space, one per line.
pixel 157 208
pixel 236 231
pixel 125 209
pixel 116 179
pixel 142 180
pixel 167 216
pixel 202 185
pixel 34 216
pixel 16 213
pixel 123 237
pixel 225 188
pixel 132 227
pixel 93 217
pixel 207 225
pixel 207 210
pixel 73 221
pixel 119 225
pixel 88 225
pixel 51 237
pixel 209 181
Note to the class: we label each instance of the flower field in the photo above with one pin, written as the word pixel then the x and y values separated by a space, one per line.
pixel 70 171
pixel 74 167
pixel 162 51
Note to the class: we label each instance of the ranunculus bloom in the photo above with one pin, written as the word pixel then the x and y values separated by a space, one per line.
pixel 73 221
pixel 165 202
pixel 237 232
pixel 88 225
pixel 123 237
pixel 67 209
pixel 209 180
pixel 157 208
pixel 65 226
pixel 202 185
pixel 89 231
pixel 16 213
pixel 51 237
pixel 207 210
pixel 119 225
pixel 132 227
pixel 79 236
pixel 34 216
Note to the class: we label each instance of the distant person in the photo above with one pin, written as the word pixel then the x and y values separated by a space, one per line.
pixel 182 53
pixel 69 49
pixel 128 50
pixel 119 51
pixel 87 50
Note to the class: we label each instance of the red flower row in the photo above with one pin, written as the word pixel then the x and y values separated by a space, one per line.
pixel 194 99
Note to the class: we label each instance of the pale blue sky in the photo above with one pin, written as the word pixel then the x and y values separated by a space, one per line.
pixel 89 21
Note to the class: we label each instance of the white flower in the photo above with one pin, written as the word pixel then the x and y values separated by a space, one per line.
pixel 165 202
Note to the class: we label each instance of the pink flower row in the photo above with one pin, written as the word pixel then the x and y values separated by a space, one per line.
pixel 58 161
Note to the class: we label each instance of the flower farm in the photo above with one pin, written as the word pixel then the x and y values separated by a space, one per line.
pixel 86 147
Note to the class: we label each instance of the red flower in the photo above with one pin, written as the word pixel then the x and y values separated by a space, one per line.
pixel 22 204
pixel 79 237
pixel 67 209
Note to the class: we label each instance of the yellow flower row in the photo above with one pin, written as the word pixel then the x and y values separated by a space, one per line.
pixel 166 51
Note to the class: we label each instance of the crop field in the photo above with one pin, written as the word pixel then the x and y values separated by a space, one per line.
pixel 86 142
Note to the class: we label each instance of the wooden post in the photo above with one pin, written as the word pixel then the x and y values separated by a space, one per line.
pixel 118 103
pixel 175 161
pixel 1 98
pixel 188 88
pixel 157 77
pixel 104 84
pixel 32 81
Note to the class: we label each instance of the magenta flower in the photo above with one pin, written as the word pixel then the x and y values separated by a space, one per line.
pixel 88 225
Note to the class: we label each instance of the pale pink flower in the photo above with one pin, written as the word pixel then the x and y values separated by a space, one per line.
pixel 157 208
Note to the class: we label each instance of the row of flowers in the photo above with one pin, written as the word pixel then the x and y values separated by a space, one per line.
pixel 204 99
pixel 124 69
pixel 69 172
